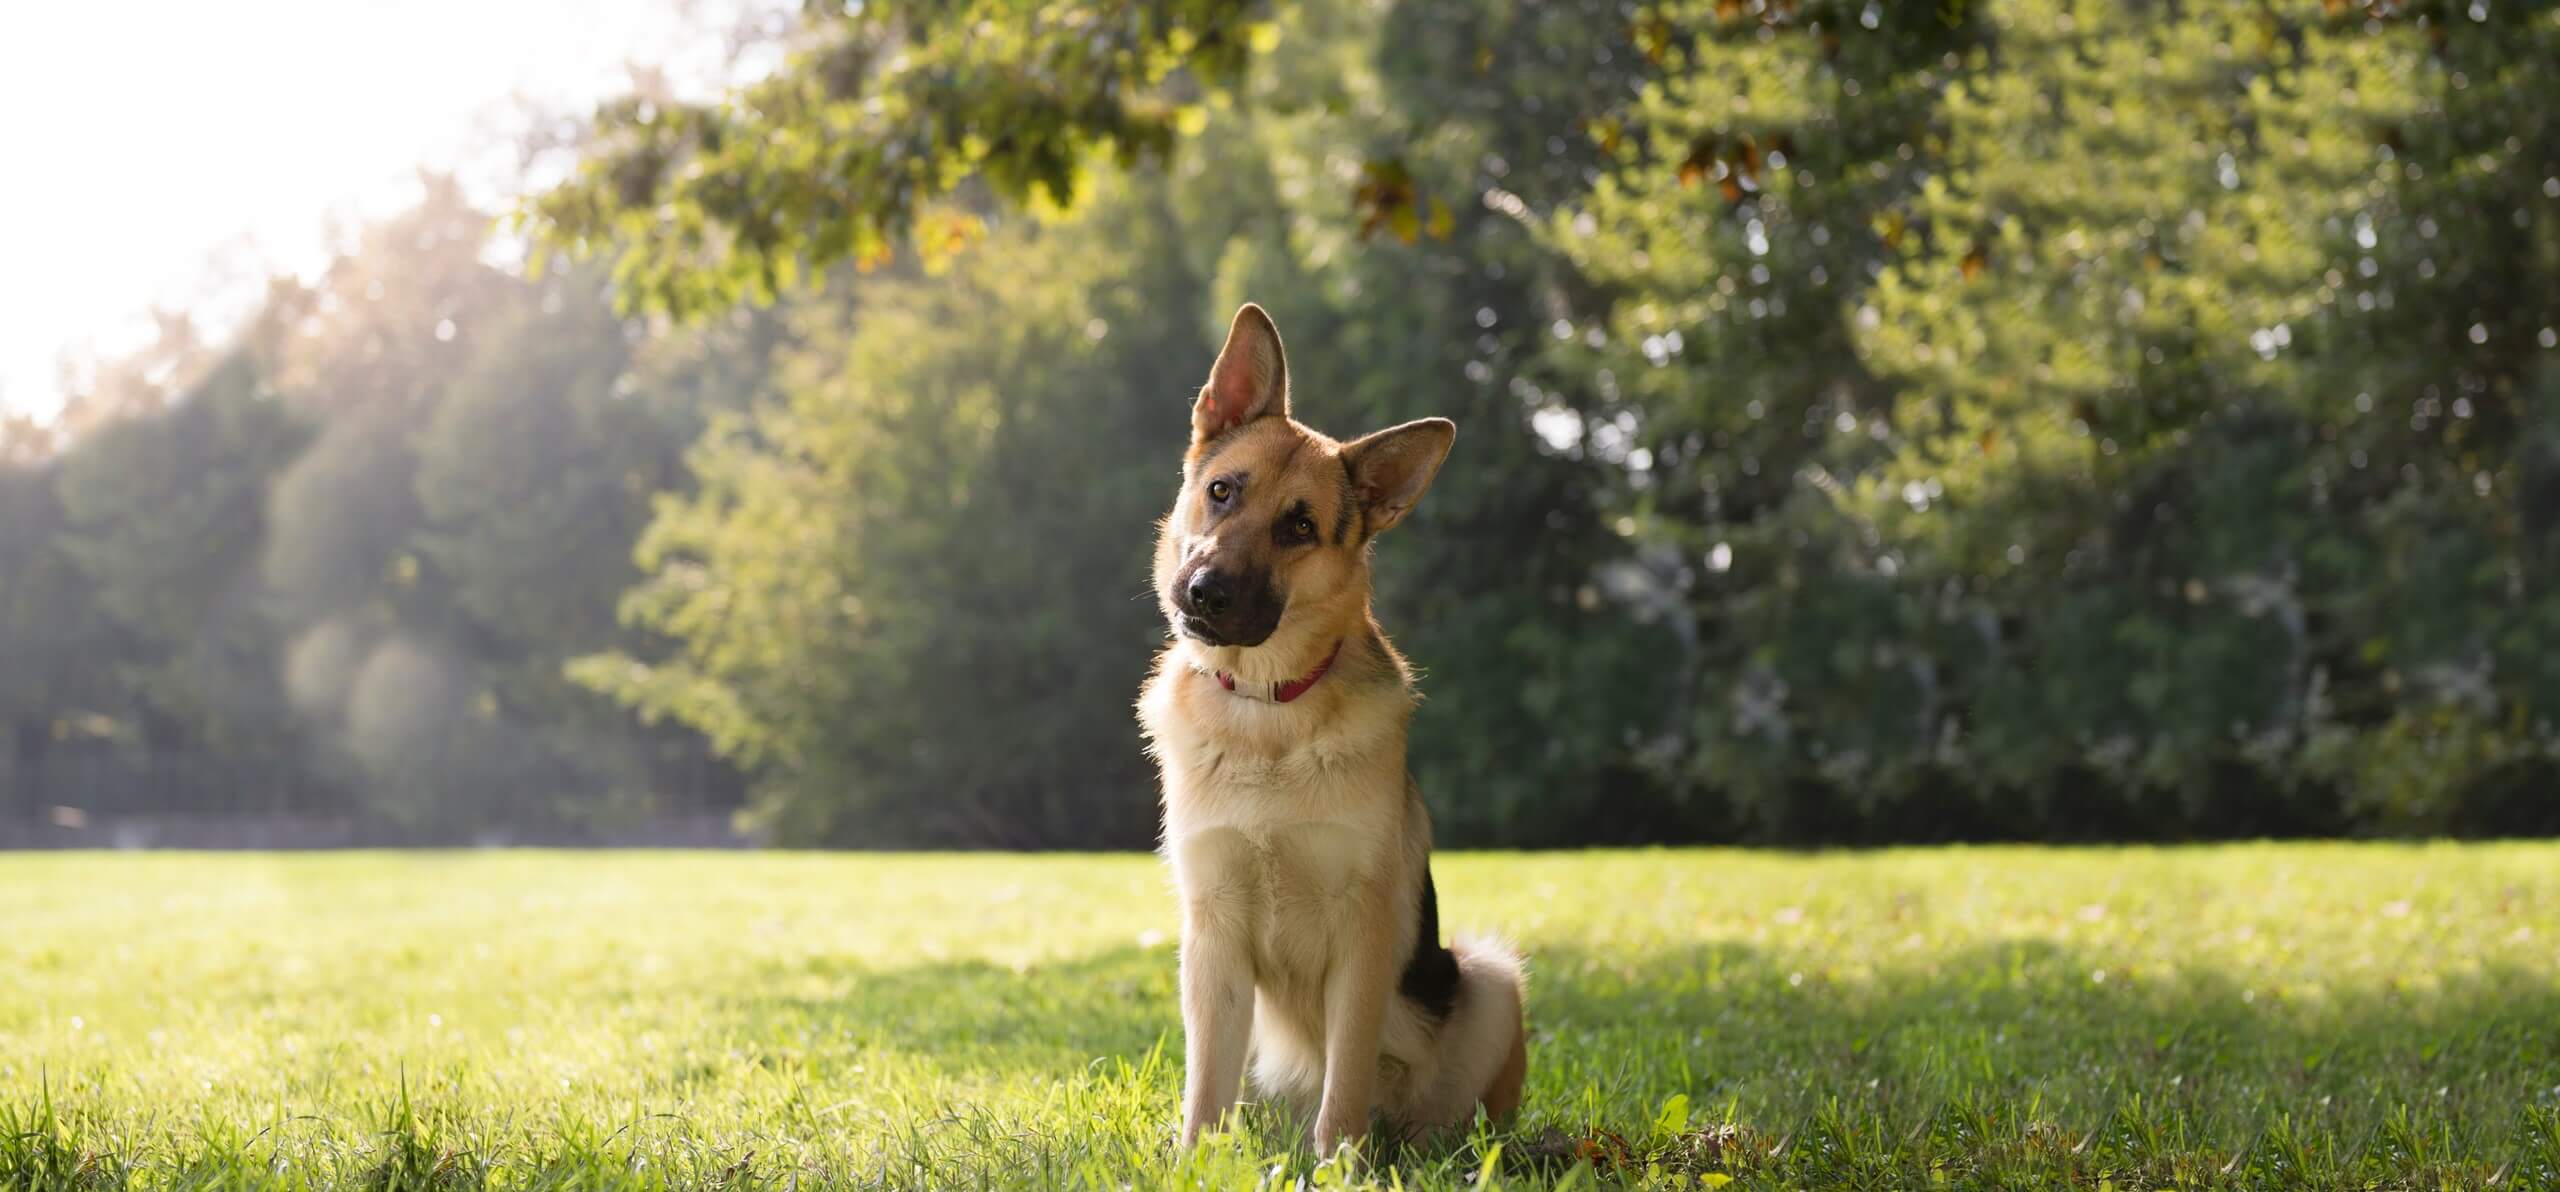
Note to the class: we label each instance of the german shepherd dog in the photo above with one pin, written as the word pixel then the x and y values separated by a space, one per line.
pixel 1298 841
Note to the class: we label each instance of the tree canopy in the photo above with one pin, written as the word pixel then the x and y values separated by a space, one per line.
pixel 2009 418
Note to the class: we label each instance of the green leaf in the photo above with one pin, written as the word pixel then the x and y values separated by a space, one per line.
pixel 1406 224
pixel 1673 1118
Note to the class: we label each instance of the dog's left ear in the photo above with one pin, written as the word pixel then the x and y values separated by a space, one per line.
pixel 1249 381
pixel 1392 467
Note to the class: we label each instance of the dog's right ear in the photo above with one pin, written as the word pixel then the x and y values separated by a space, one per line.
pixel 1249 381
pixel 1392 467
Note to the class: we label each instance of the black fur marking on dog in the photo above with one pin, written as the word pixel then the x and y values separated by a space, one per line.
pixel 1431 977
pixel 1284 531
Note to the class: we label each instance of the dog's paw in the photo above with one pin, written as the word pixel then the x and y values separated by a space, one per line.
pixel 1332 1140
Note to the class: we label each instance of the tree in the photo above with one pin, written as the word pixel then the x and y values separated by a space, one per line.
pixel 460 525
pixel 164 513
pixel 56 688
pixel 2013 382
pixel 909 591
pixel 884 111
pixel 535 475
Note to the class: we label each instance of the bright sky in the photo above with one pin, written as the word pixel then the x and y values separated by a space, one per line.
pixel 177 151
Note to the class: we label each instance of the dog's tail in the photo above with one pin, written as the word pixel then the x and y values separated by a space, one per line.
pixel 1490 958
pixel 1493 991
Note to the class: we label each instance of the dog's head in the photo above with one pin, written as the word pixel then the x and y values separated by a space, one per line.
pixel 1274 520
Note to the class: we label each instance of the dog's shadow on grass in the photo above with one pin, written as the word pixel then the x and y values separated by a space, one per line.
pixel 1615 1036
pixel 1728 1006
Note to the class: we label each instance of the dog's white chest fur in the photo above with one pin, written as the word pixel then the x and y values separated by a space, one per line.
pixel 1276 838
pixel 1231 762
pixel 1284 891
pixel 1274 814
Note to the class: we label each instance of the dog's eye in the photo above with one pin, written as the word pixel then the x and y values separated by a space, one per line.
pixel 1303 526
pixel 1220 490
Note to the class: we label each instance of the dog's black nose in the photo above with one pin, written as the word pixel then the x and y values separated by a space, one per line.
pixel 1209 594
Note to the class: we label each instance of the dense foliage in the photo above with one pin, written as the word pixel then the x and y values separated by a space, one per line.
pixel 2136 414
pixel 1878 421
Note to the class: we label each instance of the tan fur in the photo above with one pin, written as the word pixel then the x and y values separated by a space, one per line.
pixel 1297 841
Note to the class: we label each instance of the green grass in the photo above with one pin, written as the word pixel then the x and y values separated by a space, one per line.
pixel 2324 1016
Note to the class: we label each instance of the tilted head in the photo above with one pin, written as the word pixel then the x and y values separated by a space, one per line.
pixel 1273 524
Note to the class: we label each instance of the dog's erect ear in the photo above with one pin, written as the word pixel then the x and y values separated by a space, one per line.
pixel 1392 467
pixel 1249 381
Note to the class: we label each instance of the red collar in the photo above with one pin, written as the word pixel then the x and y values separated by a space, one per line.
pixel 1282 693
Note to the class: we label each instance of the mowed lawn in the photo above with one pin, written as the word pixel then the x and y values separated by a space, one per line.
pixel 2271 1016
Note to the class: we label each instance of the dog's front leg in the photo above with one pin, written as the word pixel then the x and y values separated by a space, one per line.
pixel 1355 1005
pixel 1217 1019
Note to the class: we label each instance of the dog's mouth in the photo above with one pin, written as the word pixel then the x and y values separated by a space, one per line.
pixel 1204 632
pixel 1209 633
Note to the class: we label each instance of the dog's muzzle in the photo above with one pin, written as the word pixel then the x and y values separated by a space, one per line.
pixel 1225 609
